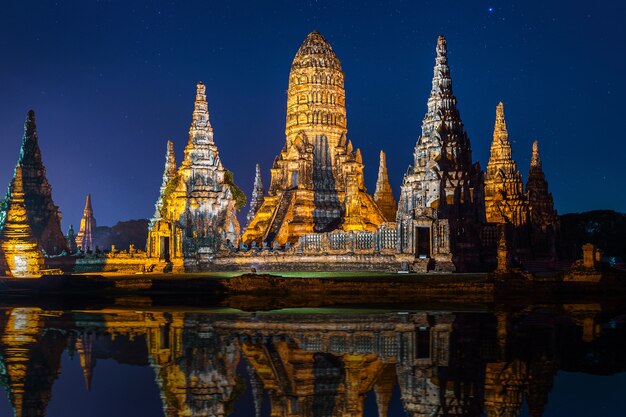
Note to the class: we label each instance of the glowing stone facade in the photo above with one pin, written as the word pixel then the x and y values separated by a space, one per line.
pixel 505 201
pixel 441 197
pixel 43 215
pixel 317 180
pixel 196 208
pixel 84 239
pixel 21 254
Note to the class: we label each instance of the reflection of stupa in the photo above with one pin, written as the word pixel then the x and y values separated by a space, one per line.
pixel 195 373
pixel 31 359
pixel 317 179
pixel 441 363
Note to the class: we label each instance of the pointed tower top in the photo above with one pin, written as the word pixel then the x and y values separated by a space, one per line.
pixel 257 194
pixel 535 160
pixel 30 119
pixel 315 52
pixel 442 49
pixel 17 185
pixel 88 211
pixel 358 156
pixel 441 96
pixel 383 176
pixel 170 161
pixel 30 142
pixel 169 172
pixel 200 119
pixel 258 181
pixel 315 43
pixel 499 130
pixel 383 196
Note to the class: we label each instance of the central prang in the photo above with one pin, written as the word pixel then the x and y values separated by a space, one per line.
pixel 317 180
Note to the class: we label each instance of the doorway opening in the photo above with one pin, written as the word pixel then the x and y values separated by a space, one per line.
pixel 422 249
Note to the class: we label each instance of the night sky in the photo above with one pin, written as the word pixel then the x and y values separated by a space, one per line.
pixel 111 81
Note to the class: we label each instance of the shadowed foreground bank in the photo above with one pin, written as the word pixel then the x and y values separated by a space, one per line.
pixel 260 291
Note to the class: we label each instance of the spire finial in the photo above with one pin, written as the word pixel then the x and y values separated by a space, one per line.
pixel 30 142
pixel 257 194
pixel 535 160
pixel 200 123
pixel 442 47
pixel 88 204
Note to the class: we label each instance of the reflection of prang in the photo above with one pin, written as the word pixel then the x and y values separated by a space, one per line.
pixel 443 363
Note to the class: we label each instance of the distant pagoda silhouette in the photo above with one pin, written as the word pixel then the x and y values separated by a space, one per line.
pixel 84 238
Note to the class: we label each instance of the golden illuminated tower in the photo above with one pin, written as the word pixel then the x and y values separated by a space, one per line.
pixel 317 180
pixel 504 189
pixel 44 216
pixel 197 203
pixel 384 193
pixel 22 254
pixel 84 239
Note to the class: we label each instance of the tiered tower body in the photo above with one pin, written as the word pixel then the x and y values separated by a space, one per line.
pixel 196 206
pixel 441 196
pixel 43 215
pixel 21 254
pixel 543 216
pixel 505 202
pixel 168 175
pixel 84 239
pixel 383 196
pixel 258 194
pixel 317 180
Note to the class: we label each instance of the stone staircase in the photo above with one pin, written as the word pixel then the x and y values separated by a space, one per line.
pixel 279 216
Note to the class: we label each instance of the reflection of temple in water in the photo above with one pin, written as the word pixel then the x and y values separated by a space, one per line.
pixel 442 363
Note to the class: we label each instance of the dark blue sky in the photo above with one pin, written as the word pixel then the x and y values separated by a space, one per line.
pixel 111 81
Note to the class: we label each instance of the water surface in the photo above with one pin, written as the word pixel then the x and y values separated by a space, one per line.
pixel 556 360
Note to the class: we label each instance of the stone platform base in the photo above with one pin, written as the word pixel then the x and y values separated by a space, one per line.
pixel 302 263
